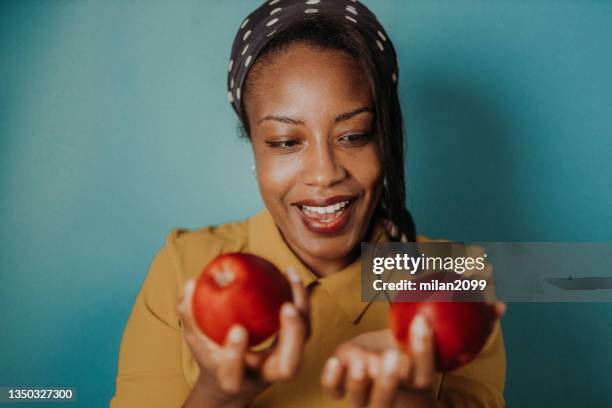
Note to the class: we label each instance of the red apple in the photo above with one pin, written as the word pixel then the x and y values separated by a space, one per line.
pixel 240 288
pixel 460 329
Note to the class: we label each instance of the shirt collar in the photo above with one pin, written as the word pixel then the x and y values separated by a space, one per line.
pixel 344 286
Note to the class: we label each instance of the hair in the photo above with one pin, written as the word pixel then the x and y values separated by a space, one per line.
pixel 336 34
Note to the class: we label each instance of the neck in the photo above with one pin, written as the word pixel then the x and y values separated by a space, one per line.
pixel 326 267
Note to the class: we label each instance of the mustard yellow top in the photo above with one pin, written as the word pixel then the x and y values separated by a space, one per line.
pixel 156 368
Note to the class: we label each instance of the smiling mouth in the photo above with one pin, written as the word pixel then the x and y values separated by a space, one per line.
pixel 325 214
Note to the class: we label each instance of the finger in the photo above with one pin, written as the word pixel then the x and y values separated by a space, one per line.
pixel 357 381
pixel 230 372
pixel 385 384
pixel 500 309
pixel 373 363
pixel 192 333
pixel 405 368
pixel 285 359
pixel 421 346
pixel 332 377
pixel 183 308
pixel 300 296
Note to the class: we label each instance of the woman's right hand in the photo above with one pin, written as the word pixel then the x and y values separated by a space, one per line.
pixel 231 373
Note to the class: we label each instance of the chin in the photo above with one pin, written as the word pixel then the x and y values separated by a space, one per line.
pixel 329 249
pixel 327 237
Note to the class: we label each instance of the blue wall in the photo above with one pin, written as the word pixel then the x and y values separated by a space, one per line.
pixel 115 127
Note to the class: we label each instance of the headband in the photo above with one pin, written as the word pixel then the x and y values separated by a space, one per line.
pixel 274 16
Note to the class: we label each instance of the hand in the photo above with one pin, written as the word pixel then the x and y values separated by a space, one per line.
pixel 233 372
pixel 371 369
pixel 374 372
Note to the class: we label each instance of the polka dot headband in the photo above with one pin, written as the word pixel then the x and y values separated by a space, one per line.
pixel 275 15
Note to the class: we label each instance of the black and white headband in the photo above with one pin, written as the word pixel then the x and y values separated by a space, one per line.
pixel 276 15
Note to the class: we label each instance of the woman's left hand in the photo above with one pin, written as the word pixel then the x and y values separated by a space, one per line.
pixel 374 373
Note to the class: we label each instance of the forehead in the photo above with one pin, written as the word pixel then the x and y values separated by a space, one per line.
pixel 306 77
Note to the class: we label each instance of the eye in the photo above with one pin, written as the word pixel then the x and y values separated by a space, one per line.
pixel 282 143
pixel 356 139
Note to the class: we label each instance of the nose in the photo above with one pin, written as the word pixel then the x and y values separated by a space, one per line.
pixel 321 169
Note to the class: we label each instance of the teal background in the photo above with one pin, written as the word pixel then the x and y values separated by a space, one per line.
pixel 115 128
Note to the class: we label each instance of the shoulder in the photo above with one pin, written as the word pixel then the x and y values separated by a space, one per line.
pixel 192 249
pixel 183 256
pixel 231 234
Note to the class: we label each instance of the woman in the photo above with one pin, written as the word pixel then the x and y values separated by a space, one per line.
pixel 314 84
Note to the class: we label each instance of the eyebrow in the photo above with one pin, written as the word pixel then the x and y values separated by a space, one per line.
pixel 342 117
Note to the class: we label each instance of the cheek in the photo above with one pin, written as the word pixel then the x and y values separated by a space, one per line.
pixel 366 169
pixel 276 176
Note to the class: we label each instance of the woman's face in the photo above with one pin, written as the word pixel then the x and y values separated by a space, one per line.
pixel 310 113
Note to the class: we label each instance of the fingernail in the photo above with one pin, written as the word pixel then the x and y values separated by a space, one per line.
pixel 358 370
pixel 373 370
pixel 420 326
pixel 236 334
pixel 390 361
pixel 289 310
pixel 187 291
pixel 330 367
pixel 189 286
pixel 420 330
pixel 293 275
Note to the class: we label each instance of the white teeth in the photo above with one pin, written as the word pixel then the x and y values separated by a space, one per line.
pixel 329 209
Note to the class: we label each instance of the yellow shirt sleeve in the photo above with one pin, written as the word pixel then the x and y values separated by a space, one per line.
pixel 150 372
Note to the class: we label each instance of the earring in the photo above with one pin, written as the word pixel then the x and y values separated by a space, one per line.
pixel 253 170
